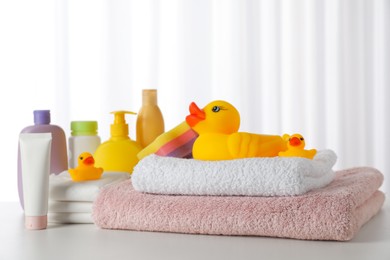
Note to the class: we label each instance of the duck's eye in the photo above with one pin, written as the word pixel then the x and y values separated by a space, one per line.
pixel 301 138
pixel 216 109
pixel 81 158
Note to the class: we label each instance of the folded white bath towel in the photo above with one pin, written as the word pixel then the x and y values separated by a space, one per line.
pixel 70 218
pixel 276 176
pixel 56 206
pixel 62 188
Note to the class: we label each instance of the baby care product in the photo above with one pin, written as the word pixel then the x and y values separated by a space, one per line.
pixel 217 125
pixel 119 153
pixel 296 147
pixel 150 121
pixel 35 163
pixel 84 138
pixel 59 157
pixel 85 170
pixel 176 142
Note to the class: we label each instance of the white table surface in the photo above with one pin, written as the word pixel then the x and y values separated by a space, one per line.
pixel 90 243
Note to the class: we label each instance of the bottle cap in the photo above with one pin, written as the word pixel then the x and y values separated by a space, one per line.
pixel 149 96
pixel 41 117
pixel 119 128
pixel 36 222
pixel 83 128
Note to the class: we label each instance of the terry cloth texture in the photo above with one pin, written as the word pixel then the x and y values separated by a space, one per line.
pixel 62 188
pixel 276 176
pixel 71 202
pixel 334 212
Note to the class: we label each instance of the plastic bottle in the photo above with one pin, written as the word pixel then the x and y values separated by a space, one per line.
pixel 58 158
pixel 119 153
pixel 84 138
pixel 150 121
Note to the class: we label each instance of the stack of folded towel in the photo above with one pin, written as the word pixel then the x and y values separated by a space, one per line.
pixel 276 197
pixel 71 202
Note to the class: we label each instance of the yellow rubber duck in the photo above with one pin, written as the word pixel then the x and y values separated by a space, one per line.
pixel 295 147
pixel 85 171
pixel 217 125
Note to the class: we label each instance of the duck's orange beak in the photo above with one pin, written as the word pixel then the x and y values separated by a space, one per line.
pixel 295 141
pixel 89 161
pixel 196 115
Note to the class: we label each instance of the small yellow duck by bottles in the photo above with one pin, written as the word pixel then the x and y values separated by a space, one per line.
pixel 217 125
pixel 85 171
pixel 295 147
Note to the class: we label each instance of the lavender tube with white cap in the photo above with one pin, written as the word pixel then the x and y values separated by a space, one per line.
pixel 35 150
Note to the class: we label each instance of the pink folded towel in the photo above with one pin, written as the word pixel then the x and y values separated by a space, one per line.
pixel 335 212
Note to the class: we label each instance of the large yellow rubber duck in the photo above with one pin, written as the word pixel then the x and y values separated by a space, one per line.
pixel 296 147
pixel 85 171
pixel 217 125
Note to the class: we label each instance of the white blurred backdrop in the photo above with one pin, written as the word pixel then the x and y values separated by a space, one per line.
pixel 317 67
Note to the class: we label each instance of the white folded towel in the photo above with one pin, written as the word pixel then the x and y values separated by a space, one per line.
pixel 56 206
pixel 62 188
pixel 276 176
pixel 70 218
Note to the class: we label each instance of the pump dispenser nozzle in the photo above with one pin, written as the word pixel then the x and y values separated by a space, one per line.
pixel 120 129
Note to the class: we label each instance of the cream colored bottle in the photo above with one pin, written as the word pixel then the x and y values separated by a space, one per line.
pixel 150 121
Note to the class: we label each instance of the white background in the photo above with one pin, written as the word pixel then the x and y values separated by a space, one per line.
pixel 320 68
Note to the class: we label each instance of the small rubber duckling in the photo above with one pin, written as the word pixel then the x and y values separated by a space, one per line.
pixel 85 171
pixel 295 147
pixel 217 125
